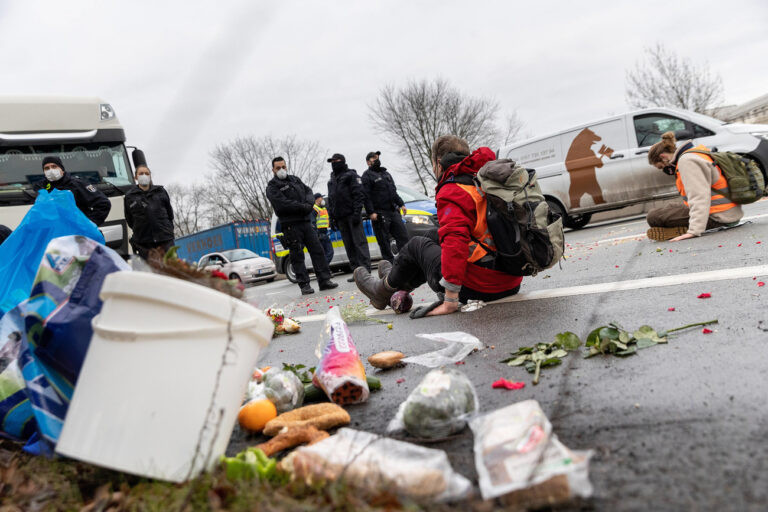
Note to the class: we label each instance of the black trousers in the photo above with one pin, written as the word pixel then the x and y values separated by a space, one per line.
pixel 355 241
pixel 419 262
pixel 389 225
pixel 300 235
pixel 325 241
pixel 143 250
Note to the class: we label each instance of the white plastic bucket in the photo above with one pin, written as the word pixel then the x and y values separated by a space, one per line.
pixel 162 383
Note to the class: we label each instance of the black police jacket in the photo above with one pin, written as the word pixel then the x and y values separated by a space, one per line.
pixel 291 199
pixel 346 196
pixel 150 215
pixel 91 201
pixel 381 191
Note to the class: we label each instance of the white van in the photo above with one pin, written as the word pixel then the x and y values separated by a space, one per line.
pixel 603 165
pixel 84 133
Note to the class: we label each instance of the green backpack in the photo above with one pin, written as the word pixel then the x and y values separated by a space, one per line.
pixel 746 183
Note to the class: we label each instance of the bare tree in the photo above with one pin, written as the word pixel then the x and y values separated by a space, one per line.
pixel 666 80
pixel 413 116
pixel 190 209
pixel 243 167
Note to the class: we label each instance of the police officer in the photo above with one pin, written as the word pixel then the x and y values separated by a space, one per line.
pixel 148 211
pixel 345 202
pixel 323 223
pixel 293 201
pixel 89 199
pixel 380 189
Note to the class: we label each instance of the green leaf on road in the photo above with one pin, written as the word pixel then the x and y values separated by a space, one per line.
pixel 568 340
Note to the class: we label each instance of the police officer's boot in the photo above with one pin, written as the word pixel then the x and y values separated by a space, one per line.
pixel 375 289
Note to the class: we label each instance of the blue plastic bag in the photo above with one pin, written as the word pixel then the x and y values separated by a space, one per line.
pixel 54 214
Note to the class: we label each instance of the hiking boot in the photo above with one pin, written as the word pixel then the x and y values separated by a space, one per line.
pixel 664 234
pixel 306 290
pixel 328 285
pixel 375 289
pixel 385 267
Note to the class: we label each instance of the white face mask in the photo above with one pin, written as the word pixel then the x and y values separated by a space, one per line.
pixel 53 174
pixel 282 174
pixel 143 180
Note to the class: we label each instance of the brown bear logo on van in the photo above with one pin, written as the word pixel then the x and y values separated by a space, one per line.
pixel 581 163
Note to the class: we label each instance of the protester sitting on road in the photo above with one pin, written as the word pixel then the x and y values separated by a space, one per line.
pixel 148 211
pixel 380 189
pixel 454 268
pixel 346 199
pixel 5 232
pixel 322 223
pixel 293 201
pixel 89 199
pixel 702 186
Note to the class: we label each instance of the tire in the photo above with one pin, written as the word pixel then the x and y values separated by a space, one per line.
pixel 577 221
pixel 289 272
pixel 236 277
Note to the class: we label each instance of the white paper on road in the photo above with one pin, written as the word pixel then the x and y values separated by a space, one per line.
pixel 458 346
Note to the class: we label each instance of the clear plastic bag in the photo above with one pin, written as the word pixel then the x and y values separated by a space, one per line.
pixel 439 406
pixel 340 372
pixel 515 449
pixel 284 389
pixel 379 465
pixel 459 345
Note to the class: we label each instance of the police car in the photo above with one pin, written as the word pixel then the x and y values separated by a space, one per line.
pixel 420 218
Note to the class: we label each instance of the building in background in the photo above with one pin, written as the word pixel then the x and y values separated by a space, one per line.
pixel 754 111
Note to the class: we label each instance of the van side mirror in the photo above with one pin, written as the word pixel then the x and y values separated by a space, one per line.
pixel 683 134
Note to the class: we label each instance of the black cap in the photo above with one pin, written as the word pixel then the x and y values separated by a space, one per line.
pixel 371 155
pixel 338 156
pixel 318 194
pixel 139 159
pixel 53 160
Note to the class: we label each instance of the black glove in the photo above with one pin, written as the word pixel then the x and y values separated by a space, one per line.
pixel 422 311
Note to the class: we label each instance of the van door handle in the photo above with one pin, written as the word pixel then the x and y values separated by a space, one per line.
pixel 617 155
pixel 642 151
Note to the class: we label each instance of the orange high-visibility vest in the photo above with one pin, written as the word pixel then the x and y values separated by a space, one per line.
pixel 719 189
pixel 480 231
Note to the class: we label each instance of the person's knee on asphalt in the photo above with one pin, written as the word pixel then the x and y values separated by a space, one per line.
pixel 293 203
pixel 703 189
pixel 446 265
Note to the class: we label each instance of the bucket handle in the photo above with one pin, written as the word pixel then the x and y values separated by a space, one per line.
pixel 123 335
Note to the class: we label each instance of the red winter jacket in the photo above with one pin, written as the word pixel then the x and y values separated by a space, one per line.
pixel 457 216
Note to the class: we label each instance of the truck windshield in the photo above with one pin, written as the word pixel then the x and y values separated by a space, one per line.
pixel 101 162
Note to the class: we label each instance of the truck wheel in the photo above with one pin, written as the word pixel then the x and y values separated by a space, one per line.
pixel 289 272
pixel 577 221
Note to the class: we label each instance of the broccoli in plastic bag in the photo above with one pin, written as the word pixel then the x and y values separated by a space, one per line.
pixel 439 406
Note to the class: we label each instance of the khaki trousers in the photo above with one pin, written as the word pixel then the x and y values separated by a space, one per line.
pixel 673 216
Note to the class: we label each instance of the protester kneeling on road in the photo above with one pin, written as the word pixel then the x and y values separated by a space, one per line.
pixel 148 211
pixel 457 267
pixel 89 199
pixel 387 205
pixel 701 184
pixel 293 201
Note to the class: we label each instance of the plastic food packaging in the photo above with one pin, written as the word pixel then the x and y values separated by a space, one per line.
pixel 340 372
pixel 378 465
pixel 438 407
pixel 458 346
pixel 284 389
pixel 517 456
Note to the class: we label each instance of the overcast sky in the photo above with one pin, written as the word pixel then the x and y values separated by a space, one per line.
pixel 184 76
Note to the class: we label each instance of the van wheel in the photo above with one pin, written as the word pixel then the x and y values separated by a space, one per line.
pixel 577 221
pixel 289 272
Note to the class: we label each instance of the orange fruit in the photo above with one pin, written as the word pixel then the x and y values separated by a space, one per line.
pixel 255 414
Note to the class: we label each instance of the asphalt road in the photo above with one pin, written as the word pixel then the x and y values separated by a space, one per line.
pixel 681 426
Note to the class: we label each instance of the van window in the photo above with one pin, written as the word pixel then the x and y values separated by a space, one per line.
pixel 99 162
pixel 700 131
pixel 649 128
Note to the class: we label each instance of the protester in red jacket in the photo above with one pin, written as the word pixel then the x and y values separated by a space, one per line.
pixel 456 267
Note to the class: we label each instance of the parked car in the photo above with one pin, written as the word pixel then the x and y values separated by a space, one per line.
pixel 241 264
pixel 420 218
pixel 603 165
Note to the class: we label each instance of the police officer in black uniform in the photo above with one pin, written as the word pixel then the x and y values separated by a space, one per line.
pixel 293 201
pixel 89 199
pixel 148 211
pixel 345 202
pixel 380 189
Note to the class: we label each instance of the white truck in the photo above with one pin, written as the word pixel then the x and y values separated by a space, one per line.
pixel 603 165
pixel 85 133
